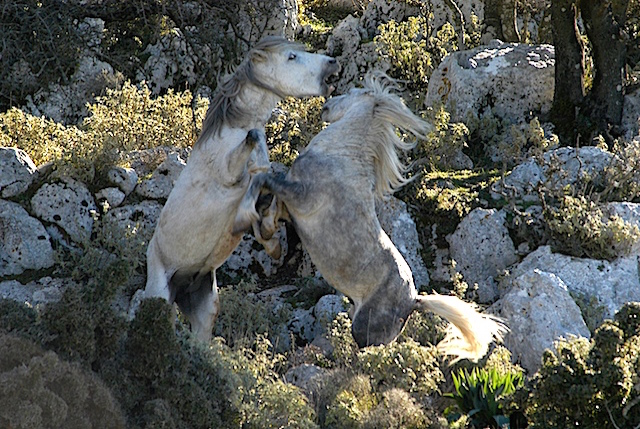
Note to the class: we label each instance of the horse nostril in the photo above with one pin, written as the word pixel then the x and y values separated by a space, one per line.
pixel 332 60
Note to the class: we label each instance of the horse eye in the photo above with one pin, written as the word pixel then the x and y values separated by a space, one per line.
pixel 292 56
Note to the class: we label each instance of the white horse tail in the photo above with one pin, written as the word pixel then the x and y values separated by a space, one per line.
pixel 469 333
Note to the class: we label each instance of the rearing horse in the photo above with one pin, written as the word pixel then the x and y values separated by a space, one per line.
pixel 194 234
pixel 329 194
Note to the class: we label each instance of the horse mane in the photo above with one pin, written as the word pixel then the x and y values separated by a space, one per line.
pixel 224 108
pixel 389 113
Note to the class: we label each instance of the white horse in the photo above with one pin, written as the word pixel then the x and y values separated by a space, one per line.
pixel 194 235
pixel 329 195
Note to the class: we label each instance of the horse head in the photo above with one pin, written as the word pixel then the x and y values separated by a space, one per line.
pixel 287 69
pixel 381 318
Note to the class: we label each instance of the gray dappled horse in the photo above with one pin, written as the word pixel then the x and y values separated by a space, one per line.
pixel 329 195
pixel 194 235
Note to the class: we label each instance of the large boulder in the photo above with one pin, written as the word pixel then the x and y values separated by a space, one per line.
pixel 602 285
pixel 17 171
pixel 24 242
pixel 67 204
pixel 482 249
pixel 538 310
pixel 509 80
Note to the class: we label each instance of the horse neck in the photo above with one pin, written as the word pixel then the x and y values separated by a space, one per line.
pixel 257 104
pixel 350 136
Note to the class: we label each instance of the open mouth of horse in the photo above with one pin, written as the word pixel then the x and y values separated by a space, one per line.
pixel 330 79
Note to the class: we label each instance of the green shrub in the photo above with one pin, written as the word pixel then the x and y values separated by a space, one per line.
pixel 16 317
pixel 38 390
pixel 413 52
pixel 292 126
pixel 344 346
pixel 477 394
pixel 579 227
pixel 243 316
pixel 352 404
pixel 123 120
pixel 405 365
pixel 591 384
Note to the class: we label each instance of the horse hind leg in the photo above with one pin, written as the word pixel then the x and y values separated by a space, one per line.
pixel 200 302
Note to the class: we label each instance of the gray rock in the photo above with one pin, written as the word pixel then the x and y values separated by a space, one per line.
pixel 24 243
pixel 124 178
pixel 302 324
pixel 631 115
pixel 356 57
pixel 140 218
pixel 303 376
pixel 68 103
pixel 170 60
pixel 68 204
pixel 539 310
pixel 161 182
pixel 17 171
pixel 326 309
pixel 38 292
pixel 110 197
pixel 512 80
pixel 482 249
pixel 249 252
pixel 398 224
pixel 607 285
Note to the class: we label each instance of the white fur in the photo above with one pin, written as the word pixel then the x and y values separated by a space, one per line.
pixel 194 232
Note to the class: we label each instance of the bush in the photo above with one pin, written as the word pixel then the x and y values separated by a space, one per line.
pixel 413 52
pixel 123 120
pixel 405 365
pixel 243 316
pixel 292 126
pixel 579 227
pixel 38 390
pixel 598 379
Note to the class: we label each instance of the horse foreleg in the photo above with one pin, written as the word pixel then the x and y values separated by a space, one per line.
pixel 238 160
pixel 247 214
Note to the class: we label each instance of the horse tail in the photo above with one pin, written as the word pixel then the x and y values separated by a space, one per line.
pixel 469 333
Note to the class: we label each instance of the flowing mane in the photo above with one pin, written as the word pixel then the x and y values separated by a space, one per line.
pixel 390 112
pixel 224 107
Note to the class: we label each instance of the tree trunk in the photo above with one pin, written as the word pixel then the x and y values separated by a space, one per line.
pixel 569 70
pixel 605 21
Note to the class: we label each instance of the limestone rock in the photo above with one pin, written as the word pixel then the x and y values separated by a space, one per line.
pixel 17 171
pixel 538 310
pixel 559 168
pixel 607 285
pixel 124 178
pixel 510 80
pixel 68 204
pixel 482 248
pixel 38 292
pixel 24 243
pixel 161 182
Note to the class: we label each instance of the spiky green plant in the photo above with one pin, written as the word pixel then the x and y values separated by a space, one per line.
pixel 477 394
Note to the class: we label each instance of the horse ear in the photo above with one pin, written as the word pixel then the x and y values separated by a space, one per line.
pixel 258 56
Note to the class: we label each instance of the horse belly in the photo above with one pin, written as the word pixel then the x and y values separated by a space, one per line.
pixel 194 230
